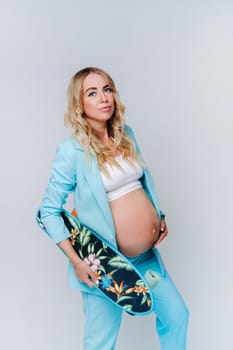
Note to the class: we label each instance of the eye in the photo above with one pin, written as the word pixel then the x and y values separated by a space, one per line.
pixel 93 93
pixel 107 89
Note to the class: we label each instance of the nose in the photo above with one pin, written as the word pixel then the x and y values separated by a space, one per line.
pixel 103 96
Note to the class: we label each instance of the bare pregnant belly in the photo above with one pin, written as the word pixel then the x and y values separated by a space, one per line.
pixel 136 222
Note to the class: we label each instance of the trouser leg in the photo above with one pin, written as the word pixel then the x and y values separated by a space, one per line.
pixel 102 322
pixel 171 315
pixel 170 309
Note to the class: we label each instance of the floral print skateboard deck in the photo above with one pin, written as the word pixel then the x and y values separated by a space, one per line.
pixel 118 279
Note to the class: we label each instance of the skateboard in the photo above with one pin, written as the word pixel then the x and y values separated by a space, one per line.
pixel 117 278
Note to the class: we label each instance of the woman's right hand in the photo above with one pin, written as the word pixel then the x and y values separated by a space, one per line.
pixel 85 273
pixel 82 269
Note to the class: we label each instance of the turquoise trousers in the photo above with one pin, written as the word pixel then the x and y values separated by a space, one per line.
pixel 103 318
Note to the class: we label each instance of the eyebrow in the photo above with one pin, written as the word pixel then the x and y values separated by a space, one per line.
pixel 95 88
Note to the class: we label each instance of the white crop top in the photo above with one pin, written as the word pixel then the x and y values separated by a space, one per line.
pixel 120 182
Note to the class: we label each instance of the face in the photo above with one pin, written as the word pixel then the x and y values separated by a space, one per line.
pixel 98 100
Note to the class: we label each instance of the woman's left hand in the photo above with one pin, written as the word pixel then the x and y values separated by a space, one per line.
pixel 163 233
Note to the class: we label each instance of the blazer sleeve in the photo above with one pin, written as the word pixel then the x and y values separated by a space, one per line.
pixel 61 183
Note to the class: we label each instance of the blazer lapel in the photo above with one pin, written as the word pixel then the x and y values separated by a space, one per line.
pixel 94 180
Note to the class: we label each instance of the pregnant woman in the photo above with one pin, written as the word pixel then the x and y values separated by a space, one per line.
pixel 115 196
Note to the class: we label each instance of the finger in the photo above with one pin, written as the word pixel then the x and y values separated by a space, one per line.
pixel 161 237
pixel 89 282
pixel 164 233
pixel 94 277
pixel 162 230
pixel 163 226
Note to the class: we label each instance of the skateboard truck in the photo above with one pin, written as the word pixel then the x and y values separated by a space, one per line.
pixel 152 278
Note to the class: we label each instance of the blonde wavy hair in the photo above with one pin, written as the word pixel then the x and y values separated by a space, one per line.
pixel 87 136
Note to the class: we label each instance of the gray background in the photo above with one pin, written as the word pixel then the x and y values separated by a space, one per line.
pixel 172 62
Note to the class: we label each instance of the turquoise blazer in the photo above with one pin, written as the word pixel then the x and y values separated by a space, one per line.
pixel 72 172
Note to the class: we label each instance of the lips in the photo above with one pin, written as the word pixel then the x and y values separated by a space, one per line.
pixel 105 108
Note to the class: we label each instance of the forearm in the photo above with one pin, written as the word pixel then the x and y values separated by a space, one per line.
pixel 70 252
